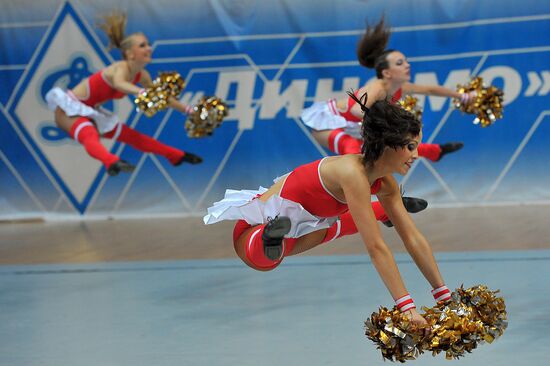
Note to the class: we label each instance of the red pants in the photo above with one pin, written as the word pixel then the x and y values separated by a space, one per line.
pixel 254 249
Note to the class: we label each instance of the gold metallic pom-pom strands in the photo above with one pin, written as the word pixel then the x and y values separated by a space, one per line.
pixel 472 316
pixel 155 98
pixel 410 104
pixel 394 335
pixel 487 102
pixel 207 115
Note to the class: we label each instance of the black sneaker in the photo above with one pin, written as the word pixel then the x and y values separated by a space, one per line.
pixel 120 166
pixel 189 158
pixel 450 147
pixel 273 235
pixel 413 205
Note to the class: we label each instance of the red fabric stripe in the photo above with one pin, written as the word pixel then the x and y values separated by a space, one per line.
pixel 406 302
pixel 439 293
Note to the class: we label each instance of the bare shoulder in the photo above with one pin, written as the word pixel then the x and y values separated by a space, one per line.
pixel 376 91
pixel 344 167
pixel 117 68
pixel 343 172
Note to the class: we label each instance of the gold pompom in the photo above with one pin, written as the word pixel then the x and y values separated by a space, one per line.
pixel 207 115
pixel 472 316
pixel 155 98
pixel 487 103
pixel 394 335
pixel 410 104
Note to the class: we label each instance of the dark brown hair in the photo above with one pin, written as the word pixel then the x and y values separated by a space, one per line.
pixel 385 124
pixel 371 48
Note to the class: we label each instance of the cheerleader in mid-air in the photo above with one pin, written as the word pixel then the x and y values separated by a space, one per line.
pixel 329 198
pixel 336 123
pixel 78 112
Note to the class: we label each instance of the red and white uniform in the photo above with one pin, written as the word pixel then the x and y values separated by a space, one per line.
pixel 346 136
pixel 323 116
pixel 303 198
pixel 326 116
pixel 99 91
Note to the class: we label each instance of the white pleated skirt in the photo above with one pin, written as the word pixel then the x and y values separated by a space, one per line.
pixel 104 120
pixel 243 205
pixel 323 116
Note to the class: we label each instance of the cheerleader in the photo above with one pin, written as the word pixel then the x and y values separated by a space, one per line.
pixel 329 198
pixel 78 111
pixel 335 123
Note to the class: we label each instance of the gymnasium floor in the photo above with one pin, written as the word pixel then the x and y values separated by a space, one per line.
pixel 171 292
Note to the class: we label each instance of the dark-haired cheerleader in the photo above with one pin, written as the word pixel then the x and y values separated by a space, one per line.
pixel 335 123
pixel 329 198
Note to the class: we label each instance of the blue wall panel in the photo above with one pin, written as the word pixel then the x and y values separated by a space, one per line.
pixel 269 60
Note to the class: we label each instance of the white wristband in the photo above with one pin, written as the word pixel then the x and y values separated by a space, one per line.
pixel 442 293
pixel 405 303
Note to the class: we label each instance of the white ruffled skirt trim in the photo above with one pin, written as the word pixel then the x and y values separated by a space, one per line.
pixel 321 116
pixel 241 205
pixel 104 120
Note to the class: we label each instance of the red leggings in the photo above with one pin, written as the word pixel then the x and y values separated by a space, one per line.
pixel 254 249
pixel 144 143
pixel 84 131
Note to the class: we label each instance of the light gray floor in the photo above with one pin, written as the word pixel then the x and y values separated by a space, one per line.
pixel 310 311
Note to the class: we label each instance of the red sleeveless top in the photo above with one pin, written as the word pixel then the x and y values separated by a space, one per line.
pixel 100 91
pixel 304 186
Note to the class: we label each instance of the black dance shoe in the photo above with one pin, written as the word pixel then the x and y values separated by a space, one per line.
pixel 273 235
pixel 450 147
pixel 189 158
pixel 413 205
pixel 120 166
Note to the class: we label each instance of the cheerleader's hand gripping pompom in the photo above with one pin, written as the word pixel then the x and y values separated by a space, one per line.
pixel 155 99
pixel 485 102
pixel 471 317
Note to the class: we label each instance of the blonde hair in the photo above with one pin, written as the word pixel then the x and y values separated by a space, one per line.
pixel 114 25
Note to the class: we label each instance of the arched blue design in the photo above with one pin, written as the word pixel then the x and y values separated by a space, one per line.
pixel 75 73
